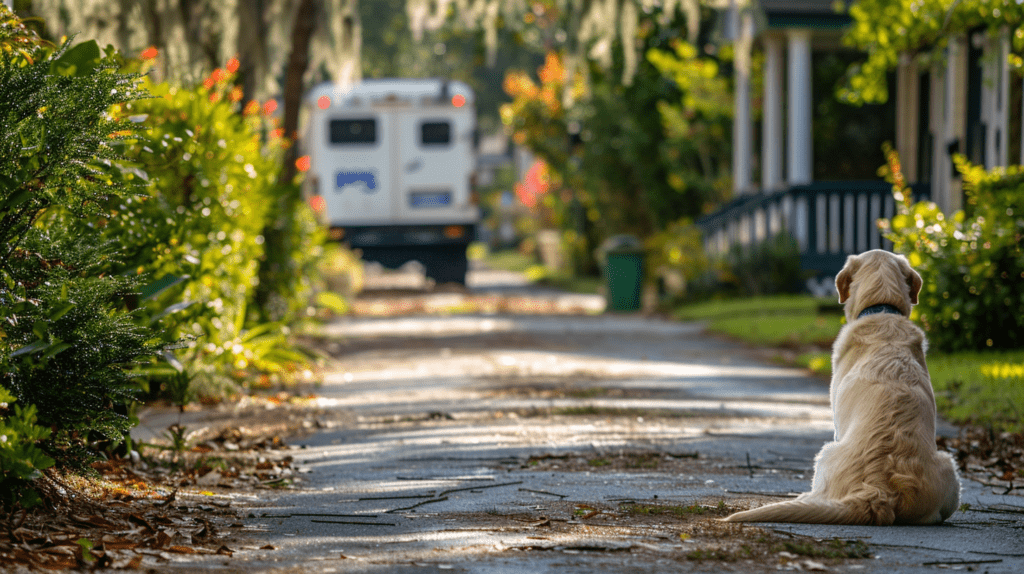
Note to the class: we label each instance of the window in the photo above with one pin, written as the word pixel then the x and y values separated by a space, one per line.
pixel 358 131
pixel 435 133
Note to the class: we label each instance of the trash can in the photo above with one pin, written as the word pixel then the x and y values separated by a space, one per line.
pixel 624 269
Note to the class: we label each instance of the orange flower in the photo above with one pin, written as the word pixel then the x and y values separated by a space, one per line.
pixel 251 108
pixel 269 107
pixel 232 65
pixel 218 75
pixel 236 94
pixel 279 132
pixel 303 163
pixel 208 83
pixel 318 203
pixel 149 53
pixel 552 70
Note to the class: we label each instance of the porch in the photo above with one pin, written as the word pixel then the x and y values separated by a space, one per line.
pixel 829 220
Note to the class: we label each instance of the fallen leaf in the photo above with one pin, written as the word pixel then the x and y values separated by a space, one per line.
pixel 815 566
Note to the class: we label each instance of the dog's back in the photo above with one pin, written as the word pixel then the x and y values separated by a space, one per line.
pixel 883 467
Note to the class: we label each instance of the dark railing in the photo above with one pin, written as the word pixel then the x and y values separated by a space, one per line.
pixel 829 220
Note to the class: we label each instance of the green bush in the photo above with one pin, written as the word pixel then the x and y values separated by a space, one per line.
pixel 21 459
pixel 676 255
pixel 212 177
pixel 972 262
pixel 67 340
pixel 771 267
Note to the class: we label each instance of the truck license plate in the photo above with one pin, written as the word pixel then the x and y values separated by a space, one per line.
pixel 430 198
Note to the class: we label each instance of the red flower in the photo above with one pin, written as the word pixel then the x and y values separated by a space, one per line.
pixel 269 107
pixel 149 53
pixel 232 65
pixel 318 203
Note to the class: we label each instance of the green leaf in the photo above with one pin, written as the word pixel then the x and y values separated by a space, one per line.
pixel 86 545
pixel 332 302
pixel 172 309
pixel 32 347
pixel 155 288
pixel 79 60
pixel 63 309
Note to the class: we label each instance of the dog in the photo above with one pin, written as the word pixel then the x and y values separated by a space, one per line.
pixel 883 467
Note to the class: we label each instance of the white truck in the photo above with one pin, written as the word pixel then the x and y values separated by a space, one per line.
pixel 391 171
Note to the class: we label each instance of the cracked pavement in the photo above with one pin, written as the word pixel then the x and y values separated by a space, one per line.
pixel 573 443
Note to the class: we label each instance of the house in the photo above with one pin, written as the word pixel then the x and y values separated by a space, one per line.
pixel 968 104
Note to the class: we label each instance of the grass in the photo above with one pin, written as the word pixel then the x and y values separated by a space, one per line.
pixel 984 388
pixel 509 259
pixel 512 260
pixel 762 306
pixel 775 321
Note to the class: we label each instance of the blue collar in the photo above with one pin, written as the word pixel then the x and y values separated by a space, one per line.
pixel 883 308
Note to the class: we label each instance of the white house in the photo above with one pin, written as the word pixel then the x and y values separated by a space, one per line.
pixel 968 104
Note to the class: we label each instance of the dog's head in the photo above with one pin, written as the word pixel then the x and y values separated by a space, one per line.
pixel 877 277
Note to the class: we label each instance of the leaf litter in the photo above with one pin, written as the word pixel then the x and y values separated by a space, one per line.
pixel 141 511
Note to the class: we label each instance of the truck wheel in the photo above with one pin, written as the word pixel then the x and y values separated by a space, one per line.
pixel 448 266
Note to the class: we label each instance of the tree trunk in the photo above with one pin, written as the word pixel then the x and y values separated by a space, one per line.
pixel 274 268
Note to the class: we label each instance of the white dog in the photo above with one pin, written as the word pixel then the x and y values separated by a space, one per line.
pixel 883 467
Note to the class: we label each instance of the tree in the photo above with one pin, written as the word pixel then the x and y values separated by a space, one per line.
pixel 196 36
pixel 885 29
pixel 627 158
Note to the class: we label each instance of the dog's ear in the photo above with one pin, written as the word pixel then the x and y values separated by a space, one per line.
pixel 913 281
pixel 844 279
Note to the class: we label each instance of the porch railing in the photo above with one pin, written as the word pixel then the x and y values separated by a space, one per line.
pixel 829 220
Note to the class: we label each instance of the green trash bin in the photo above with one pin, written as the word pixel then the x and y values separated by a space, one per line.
pixel 624 268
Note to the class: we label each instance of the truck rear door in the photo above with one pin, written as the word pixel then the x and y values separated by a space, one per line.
pixel 432 168
pixel 361 176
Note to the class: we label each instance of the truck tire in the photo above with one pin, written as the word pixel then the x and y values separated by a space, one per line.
pixel 448 265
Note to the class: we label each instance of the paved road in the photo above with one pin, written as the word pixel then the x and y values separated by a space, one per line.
pixel 503 443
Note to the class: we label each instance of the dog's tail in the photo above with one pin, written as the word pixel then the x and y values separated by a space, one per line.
pixel 817 511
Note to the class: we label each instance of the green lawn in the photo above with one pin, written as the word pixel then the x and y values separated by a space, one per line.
pixel 775 321
pixel 985 388
pixel 512 260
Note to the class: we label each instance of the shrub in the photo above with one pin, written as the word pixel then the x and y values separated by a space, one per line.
pixel 21 459
pixel 972 261
pixel 771 267
pixel 67 339
pixel 676 256
pixel 212 170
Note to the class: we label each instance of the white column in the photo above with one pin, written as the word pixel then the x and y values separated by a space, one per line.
pixel 798 135
pixel 907 103
pixel 937 126
pixel 956 122
pixel 771 134
pixel 741 126
pixel 1003 117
